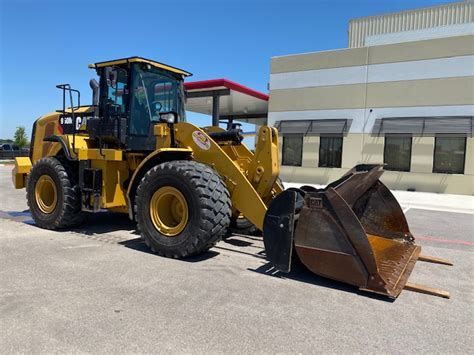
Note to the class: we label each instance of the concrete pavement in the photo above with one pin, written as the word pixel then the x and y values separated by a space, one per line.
pixel 98 289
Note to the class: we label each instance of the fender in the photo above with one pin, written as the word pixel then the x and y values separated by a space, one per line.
pixel 62 143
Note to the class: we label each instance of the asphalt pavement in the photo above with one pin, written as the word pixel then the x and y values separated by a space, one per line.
pixel 98 289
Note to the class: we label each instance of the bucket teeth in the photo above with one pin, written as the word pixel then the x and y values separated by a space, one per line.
pixel 427 290
pixel 434 260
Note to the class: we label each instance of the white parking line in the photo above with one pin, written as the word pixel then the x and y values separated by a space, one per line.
pixel 83 246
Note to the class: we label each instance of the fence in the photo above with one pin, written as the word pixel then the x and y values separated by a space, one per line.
pixel 11 154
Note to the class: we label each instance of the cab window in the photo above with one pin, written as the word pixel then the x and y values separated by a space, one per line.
pixel 116 82
pixel 153 92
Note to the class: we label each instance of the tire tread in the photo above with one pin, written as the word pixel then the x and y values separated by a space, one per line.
pixel 211 190
pixel 70 214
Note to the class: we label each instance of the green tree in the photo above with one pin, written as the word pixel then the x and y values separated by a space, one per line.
pixel 21 139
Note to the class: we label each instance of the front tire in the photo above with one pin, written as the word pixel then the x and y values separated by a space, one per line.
pixel 182 208
pixel 53 194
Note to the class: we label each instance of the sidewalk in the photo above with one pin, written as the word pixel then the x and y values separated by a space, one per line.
pixel 4 162
pixel 423 200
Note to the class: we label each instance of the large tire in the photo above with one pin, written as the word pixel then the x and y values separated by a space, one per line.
pixel 207 208
pixel 60 207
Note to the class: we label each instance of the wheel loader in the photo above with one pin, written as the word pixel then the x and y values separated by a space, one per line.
pixel 132 151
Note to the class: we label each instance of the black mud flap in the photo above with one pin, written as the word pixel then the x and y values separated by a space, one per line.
pixel 279 229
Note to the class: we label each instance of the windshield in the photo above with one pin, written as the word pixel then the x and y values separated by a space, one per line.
pixel 154 92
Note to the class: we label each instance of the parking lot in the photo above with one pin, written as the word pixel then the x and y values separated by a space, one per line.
pixel 98 289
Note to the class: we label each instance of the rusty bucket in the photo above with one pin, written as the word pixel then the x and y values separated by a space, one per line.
pixel 353 231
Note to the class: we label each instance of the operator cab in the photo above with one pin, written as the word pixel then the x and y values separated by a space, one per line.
pixel 132 95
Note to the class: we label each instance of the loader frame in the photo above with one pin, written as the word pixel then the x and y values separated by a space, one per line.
pixel 251 180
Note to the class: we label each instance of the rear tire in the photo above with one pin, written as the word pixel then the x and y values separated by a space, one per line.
pixel 243 226
pixel 198 194
pixel 53 194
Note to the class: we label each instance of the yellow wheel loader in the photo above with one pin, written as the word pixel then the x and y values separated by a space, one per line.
pixel 132 151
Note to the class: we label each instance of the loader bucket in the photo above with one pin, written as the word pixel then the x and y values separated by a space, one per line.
pixel 353 231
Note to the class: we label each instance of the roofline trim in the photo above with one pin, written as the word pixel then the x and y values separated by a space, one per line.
pixel 232 85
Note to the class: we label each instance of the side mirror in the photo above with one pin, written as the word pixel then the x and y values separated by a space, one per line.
pixel 168 117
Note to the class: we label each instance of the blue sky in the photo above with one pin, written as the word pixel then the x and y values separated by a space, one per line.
pixel 47 42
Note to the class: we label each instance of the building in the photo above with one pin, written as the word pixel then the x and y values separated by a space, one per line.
pixel 401 94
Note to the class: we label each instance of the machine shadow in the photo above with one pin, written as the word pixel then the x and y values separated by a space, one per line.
pixel 95 223
pixel 102 223
pixel 300 273
pixel 106 222
pixel 18 216
pixel 138 245
pixel 237 242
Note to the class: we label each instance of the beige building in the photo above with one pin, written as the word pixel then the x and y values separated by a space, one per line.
pixel 402 94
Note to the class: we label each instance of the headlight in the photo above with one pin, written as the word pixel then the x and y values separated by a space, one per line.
pixel 168 117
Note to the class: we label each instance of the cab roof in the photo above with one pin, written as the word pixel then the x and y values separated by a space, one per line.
pixel 139 60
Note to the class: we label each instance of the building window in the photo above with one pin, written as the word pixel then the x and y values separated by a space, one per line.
pixel 292 150
pixel 397 153
pixel 449 155
pixel 330 152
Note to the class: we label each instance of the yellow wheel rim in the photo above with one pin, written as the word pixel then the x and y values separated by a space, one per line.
pixel 169 211
pixel 46 194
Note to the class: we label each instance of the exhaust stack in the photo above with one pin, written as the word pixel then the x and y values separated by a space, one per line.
pixel 95 91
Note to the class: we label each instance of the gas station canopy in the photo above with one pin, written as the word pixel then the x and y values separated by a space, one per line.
pixel 225 99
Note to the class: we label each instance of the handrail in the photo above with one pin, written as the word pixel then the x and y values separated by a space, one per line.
pixel 64 88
